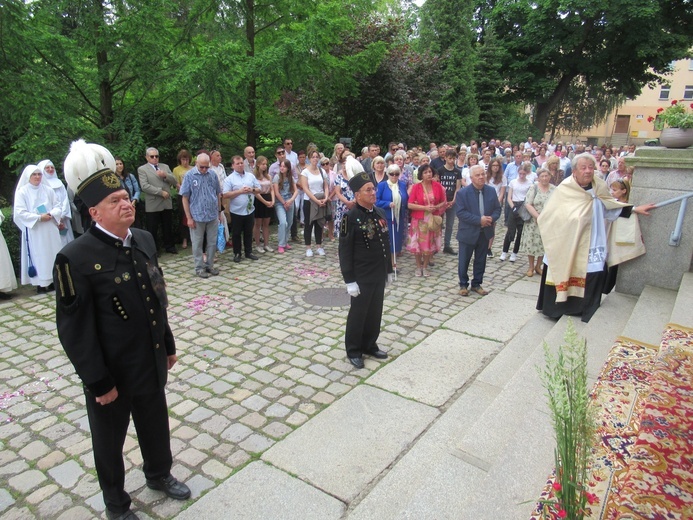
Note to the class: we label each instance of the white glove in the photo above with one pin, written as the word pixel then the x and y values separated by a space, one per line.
pixel 390 278
pixel 353 289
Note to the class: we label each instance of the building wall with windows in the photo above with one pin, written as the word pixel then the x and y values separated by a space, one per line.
pixel 628 124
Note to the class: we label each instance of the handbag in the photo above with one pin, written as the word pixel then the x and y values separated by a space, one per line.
pixel 221 239
pixel 523 213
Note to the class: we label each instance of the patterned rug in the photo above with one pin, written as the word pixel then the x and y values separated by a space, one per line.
pixel 642 465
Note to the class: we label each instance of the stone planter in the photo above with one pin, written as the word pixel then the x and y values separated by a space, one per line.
pixel 676 137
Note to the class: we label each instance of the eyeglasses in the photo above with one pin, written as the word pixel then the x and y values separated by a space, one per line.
pixel 392 174
pixel 153 156
pixel 289 143
pixel 368 190
pixel 203 167
pixel 281 152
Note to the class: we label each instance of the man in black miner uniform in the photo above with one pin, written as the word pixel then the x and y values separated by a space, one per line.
pixel 364 258
pixel 112 323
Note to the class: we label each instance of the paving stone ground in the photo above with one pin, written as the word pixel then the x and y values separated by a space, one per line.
pixel 255 362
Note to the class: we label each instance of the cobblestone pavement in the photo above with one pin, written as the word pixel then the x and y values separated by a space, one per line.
pixel 255 362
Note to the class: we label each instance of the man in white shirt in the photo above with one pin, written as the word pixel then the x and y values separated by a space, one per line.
pixel 290 154
pixel 249 161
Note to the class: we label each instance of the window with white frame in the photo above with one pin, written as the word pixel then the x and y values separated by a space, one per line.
pixel 664 93
pixel 688 92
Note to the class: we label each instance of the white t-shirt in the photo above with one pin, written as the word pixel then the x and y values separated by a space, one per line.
pixel 520 189
pixel 315 182
pixel 497 187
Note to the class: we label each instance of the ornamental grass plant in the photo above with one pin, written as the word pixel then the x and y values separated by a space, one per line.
pixel 565 379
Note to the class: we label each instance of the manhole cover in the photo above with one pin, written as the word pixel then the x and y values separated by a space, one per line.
pixel 327 297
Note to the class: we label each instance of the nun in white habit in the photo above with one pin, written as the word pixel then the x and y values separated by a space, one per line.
pixel 8 281
pixel 37 214
pixel 50 178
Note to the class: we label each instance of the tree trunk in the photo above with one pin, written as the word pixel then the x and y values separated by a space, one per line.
pixel 250 134
pixel 104 75
pixel 543 109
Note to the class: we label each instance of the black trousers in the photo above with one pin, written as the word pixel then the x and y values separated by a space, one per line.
pixel 515 225
pixel 109 425
pixel 163 219
pixel 242 227
pixel 363 321
pixel 308 226
pixel 294 224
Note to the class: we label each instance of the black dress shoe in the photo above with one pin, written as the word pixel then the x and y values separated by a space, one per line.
pixel 41 290
pixel 172 250
pixel 378 354
pixel 171 486
pixel 237 258
pixel 127 515
pixel 5 296
pixel 252 256
pixel 357 362
pixel 448 250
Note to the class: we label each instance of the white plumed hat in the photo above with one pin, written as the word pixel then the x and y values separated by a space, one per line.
pixel 89 170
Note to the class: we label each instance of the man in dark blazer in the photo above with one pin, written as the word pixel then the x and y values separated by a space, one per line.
pixel 112 322
pixel 476 227
pixel 156 180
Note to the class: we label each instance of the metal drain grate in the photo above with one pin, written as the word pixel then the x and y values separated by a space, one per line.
pixel 327 297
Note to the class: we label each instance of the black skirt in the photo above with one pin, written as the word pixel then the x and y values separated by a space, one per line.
pixel 573 306
pixel 262 211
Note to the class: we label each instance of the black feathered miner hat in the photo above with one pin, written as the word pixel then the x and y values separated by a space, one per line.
pixel 89 170
pixel 359 180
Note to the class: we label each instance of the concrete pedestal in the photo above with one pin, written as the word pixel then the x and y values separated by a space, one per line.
pixel 660 174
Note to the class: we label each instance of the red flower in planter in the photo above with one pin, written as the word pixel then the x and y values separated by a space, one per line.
pixel 650 119
pixel 660 110
pixel 673 101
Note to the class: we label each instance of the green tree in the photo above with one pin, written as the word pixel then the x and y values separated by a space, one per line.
pixel 446 32
pixel 489 86
pixel 392 102
pixel 618 44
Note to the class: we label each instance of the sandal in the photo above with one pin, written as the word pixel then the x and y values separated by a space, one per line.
pixel 530 273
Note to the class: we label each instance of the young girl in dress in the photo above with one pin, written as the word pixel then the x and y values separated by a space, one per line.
pixel 264 205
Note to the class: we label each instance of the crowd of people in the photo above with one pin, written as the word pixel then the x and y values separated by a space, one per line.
pixel 416 189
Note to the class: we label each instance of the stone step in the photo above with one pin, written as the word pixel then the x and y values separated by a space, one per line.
pixel 435 479
pixel 651 315
pixel 513 438
pixel 683 307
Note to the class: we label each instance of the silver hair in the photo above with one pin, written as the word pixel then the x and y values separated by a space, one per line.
pixel 584 155
pixel 392 169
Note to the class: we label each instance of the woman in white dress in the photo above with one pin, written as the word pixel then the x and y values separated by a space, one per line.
pixel 8 281
pixel 50 178
pixel 37 214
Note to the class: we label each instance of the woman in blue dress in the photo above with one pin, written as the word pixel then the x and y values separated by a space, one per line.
pixel 391 196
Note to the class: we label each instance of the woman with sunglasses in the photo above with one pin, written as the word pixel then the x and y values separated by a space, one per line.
pixel 392 197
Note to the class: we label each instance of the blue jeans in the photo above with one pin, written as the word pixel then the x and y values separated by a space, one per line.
pixel 197 236
pixel 285 218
